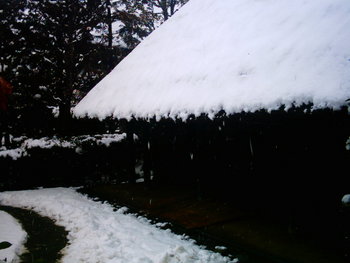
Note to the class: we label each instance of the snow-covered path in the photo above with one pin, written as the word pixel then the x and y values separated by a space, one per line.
pixel 100 233
pixel 12 232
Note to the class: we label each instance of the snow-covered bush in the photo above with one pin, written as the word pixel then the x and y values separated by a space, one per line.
pixel 346 200
pixel 78 143
pixel 75 160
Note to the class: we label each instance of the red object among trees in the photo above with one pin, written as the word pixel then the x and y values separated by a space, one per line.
pixel 5 90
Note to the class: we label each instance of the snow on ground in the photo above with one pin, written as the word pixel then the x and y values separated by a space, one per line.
pixel 241 55
pixel 100 233
pixel 11 231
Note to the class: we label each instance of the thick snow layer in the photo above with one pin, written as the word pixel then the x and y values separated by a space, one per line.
pixel 14 154
pixel 237 55
pixel 48 143
pixel 100 233
pixel 11 231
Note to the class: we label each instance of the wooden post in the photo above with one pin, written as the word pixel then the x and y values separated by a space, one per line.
pixel 147 157
pixel 131 151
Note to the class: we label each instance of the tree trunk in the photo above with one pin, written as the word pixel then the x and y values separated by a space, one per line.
pixel 172 7
pixel 131 151
pixel 65 117
pixel 164 6
pixel 109 21
pixel 147 158
pixel 66 94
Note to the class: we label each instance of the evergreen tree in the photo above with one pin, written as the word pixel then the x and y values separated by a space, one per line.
pixel 137 20
pixel 11 42
pixel 61 45
pixel 130 21
pixel 54 51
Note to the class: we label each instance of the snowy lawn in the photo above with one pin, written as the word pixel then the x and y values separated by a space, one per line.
pixel 98 232
pixel 12 232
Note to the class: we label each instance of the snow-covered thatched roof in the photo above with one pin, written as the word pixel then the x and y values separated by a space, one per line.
pixel 232 55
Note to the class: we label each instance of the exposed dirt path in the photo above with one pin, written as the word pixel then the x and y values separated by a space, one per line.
pixel 45 238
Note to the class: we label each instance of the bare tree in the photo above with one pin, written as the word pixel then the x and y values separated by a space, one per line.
pixel 168 7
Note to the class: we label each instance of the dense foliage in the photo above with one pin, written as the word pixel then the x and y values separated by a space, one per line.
pixel 53 52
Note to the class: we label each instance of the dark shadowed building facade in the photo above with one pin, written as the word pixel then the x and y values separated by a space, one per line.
pixel 244 100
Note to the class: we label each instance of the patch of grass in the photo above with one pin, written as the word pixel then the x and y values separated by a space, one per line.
pixel 45 238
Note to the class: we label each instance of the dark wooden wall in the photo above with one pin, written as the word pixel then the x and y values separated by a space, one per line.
pixel 293 162
pixel 293 149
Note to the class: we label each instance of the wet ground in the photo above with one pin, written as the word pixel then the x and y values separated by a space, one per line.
pixel 45 238
pixel 249 236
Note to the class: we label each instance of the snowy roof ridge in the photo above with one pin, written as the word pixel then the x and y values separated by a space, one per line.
pixel 241 55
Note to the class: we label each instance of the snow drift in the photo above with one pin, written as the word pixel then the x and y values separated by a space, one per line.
pixel 100 233
pixel 11 231
pixel 232 55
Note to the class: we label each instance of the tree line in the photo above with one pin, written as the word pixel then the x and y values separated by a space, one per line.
pixel 54 51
